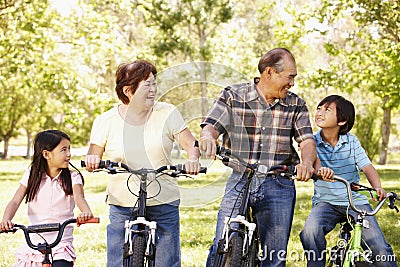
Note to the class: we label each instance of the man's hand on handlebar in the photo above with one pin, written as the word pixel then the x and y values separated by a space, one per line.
pixel 304 172
pixel 209 145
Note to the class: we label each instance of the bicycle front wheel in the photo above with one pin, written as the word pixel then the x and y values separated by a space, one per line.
pixel 136 258
pixel 253 259
pixel 234 257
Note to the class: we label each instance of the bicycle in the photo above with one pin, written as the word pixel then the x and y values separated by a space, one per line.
pixel 348 251
pixel 139 248
pixel 45 248
pixel 239 245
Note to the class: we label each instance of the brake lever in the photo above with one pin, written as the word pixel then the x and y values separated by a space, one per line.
pixel 392 205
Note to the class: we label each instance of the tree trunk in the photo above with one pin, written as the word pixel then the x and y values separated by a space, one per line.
pixel 6 145
pixel 385 135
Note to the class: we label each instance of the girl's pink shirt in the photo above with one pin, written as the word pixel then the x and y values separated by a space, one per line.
pixel 51 205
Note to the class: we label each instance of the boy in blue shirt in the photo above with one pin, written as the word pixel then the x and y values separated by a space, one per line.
pixel 341 152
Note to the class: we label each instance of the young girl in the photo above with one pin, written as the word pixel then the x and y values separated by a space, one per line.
pixel 51 191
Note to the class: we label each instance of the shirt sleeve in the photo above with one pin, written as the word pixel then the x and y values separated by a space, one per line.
pixel 25 177
pixel 302 125
pixel 360 155
pixel 76 178
pixel 99 131
pixel 220 114
pixel 175 121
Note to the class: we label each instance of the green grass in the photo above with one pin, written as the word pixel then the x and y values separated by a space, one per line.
pixel 200 202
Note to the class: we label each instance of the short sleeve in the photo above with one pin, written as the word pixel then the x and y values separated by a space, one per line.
pixel 76 178
pixel 25 177
pixel 360 156
pixel 175 122
pixel 302 125
pixel 99 131
pixel 220 113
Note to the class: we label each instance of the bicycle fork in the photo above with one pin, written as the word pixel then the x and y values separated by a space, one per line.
pixel 248 234
pixel 151 233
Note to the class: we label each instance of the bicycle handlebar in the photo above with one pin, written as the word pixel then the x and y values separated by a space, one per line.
pixel 49 227
pixel 288 171
pixel 109 165
pixel 391 196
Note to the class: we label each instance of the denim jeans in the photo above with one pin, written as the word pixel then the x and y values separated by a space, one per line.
pixel 273 205
pixel 323 219
pixel 167 233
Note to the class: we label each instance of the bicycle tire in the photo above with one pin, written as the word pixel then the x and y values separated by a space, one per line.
pixel 139 249
pixel 253 259
pixel 234 257
pixel 137 257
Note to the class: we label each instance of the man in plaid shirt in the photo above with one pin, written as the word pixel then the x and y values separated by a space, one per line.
pixel 259 121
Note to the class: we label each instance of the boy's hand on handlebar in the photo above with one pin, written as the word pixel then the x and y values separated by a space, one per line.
pixel 326 174
pixel 92 162
pixel 381 193
pixel 304 172
pixel 192 166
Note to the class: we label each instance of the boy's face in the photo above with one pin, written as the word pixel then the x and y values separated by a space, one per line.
pixel 325 116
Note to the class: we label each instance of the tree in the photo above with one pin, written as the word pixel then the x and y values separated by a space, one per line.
pixel 365 52
pixel 186 27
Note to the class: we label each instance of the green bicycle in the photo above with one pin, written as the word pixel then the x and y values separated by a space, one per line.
pixel 348 251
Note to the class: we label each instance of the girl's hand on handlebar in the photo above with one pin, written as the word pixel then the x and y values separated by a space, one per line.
pixel 84 216
pixel 6 225
pixel 192 166
pixel 326 174
pixel 92 162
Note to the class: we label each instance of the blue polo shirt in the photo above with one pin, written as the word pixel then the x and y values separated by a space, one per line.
pixel 345 159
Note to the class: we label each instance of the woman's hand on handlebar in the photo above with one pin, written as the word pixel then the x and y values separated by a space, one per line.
pixel 192 166
pixel 92 162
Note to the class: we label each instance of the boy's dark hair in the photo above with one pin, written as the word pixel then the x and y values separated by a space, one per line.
pixel 345 111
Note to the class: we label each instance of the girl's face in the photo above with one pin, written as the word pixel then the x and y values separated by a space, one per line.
pixel 60 156
pixel 146 92
pixel 325 116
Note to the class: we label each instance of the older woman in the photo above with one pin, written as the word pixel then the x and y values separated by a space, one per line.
pixel 141 132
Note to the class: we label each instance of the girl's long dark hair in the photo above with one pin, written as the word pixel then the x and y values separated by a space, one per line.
pixel 47 140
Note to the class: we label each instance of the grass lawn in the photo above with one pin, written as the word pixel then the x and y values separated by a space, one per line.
pixel 199 207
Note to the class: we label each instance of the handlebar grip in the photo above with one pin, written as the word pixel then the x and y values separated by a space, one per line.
pixel 182 168
pixel 91 220
pixel 102 164
pixel 11 230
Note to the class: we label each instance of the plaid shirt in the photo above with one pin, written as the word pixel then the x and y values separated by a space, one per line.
pixel 257 131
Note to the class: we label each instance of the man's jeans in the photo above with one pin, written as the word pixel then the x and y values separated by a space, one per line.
pixel 323 219
pixel 273 205
pixel 167 234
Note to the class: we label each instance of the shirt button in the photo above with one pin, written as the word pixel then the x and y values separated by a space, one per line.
pixel 261 145
pixel 263 128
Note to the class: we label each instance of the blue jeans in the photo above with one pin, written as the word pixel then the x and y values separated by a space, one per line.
pixel 323 219
pixel 167 233
pixel 273 205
